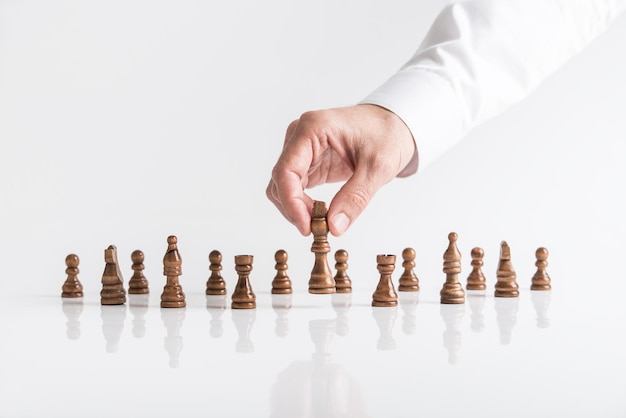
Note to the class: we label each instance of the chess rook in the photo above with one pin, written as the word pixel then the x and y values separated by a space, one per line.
pixel 112 292
pixel 343 284
pixel 321 281
pixel 385 294
pixel 72 288
pixel 243 296
pixel 506 285
pixel 452 291
pixel 476 279
pixel 173 295
pixel 215 285
pixel 281 284
pixel 541 279
pixel 408 281
pixel 138 284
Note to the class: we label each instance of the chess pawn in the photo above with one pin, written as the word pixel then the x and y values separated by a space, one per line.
pixel 541 280
pixel 506 286
pixel 343 284
pixel 321 281
pixel 281 284
pixel 408 281
pixel 72 288
pixel 243 296
pixel 112 292
pixel 385 294
pixel 173 295
pixel 476 279
pixel 215 285
pixel 138 284
pixel 452 291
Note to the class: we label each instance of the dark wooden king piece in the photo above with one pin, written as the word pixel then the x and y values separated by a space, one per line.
pixel 173 295
pixel 452 291
pixel 322 281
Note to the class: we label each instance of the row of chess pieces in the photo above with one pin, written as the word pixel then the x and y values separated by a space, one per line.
pixel 322 279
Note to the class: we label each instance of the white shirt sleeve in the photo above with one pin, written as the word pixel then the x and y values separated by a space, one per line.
pixel 481 56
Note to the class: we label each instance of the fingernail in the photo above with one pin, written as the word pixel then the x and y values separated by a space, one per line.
pixel 341 222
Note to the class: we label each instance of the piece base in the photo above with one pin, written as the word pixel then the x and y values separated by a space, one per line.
pixel 113 301
pixel 138 290
pixel 540 287
pixel 243 305
pixel 506 294
pixel 215 292
pixel 322 291
pixel 72 295
pixel 279 291
pixel 388 303
pixel 343 290
pixel 453 301
pixel 403 288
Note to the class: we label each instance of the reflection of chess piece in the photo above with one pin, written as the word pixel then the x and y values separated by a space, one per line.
pixel 244 319
pixel 476 300
pixel 452 291
pixel 343 284
pixel 216 305
pixel 72 308
pixel 172 296
pixel 138 284
pixel 541 302
pixel 408 303
pixel 506 317
pixel 506 286
pixel 281 283
pixel 452 316
pixel 408 281
pixel 72 288
pixel 476 279
pixel 113 318
pixel 541 279
pixel 385 318
pixel 321 281
pixel 173 341
pixel 385 294
pixel 243 297
pixel 281 303
pixel 215 285
pixel 341 304
pixel 138 305
pixel 113 292
pixel 321 331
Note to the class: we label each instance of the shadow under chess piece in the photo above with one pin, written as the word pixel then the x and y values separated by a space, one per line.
pixel 452 291
pixel 476 279
pixel 408 280
pixel 506 285
pixel 138 304
pixel 72 288
pixel 541 279
pixel 113 318
pixel 385 319
pixel 216 305
pixel 476 300
pixel 452 316
pixel 341 303
pixel 138 284
pixel 408 303
pixel 541 303
pixel 113 292
pixel 244 319
pixel 72 308
pixel 343 284
pixel 215 285
pixel 173 341
pixel 506 317
pixel 385 294
pixel 321 281
pixel 281 303
pixel 173 295
pixel 281 283
pixel 243 297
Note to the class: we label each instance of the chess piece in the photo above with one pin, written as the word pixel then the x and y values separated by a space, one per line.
pixel 321 281
pixel 138 284
pixel 452 291
pixel 243 296
pixel 216 284
pixel 72 288
pixel 408 281
pixel 343 284
pixel 173 295
pixel 476 279
pixel 506 286
pixel 281 284
pixel 385 294
pixel 112 292
pixel 541 280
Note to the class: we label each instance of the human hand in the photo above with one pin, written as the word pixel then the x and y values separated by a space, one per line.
pixel 365 146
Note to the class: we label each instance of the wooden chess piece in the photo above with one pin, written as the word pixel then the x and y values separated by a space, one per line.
pixel 476 279
pixel 138 284
pixel 541 279
pixel 173 295
pixel 243 296
pixel 215 285
pixel 385 294
pixel 112 292
pixel 343 284
pixel 408 281
pixel 321 281
pixel 72 288
pixel 452 291
pixel 506 285
pixel 281 284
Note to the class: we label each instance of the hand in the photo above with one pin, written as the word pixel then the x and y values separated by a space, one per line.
pixel 365 146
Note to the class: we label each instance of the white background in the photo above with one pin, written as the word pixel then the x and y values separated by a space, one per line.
pixel 124 122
